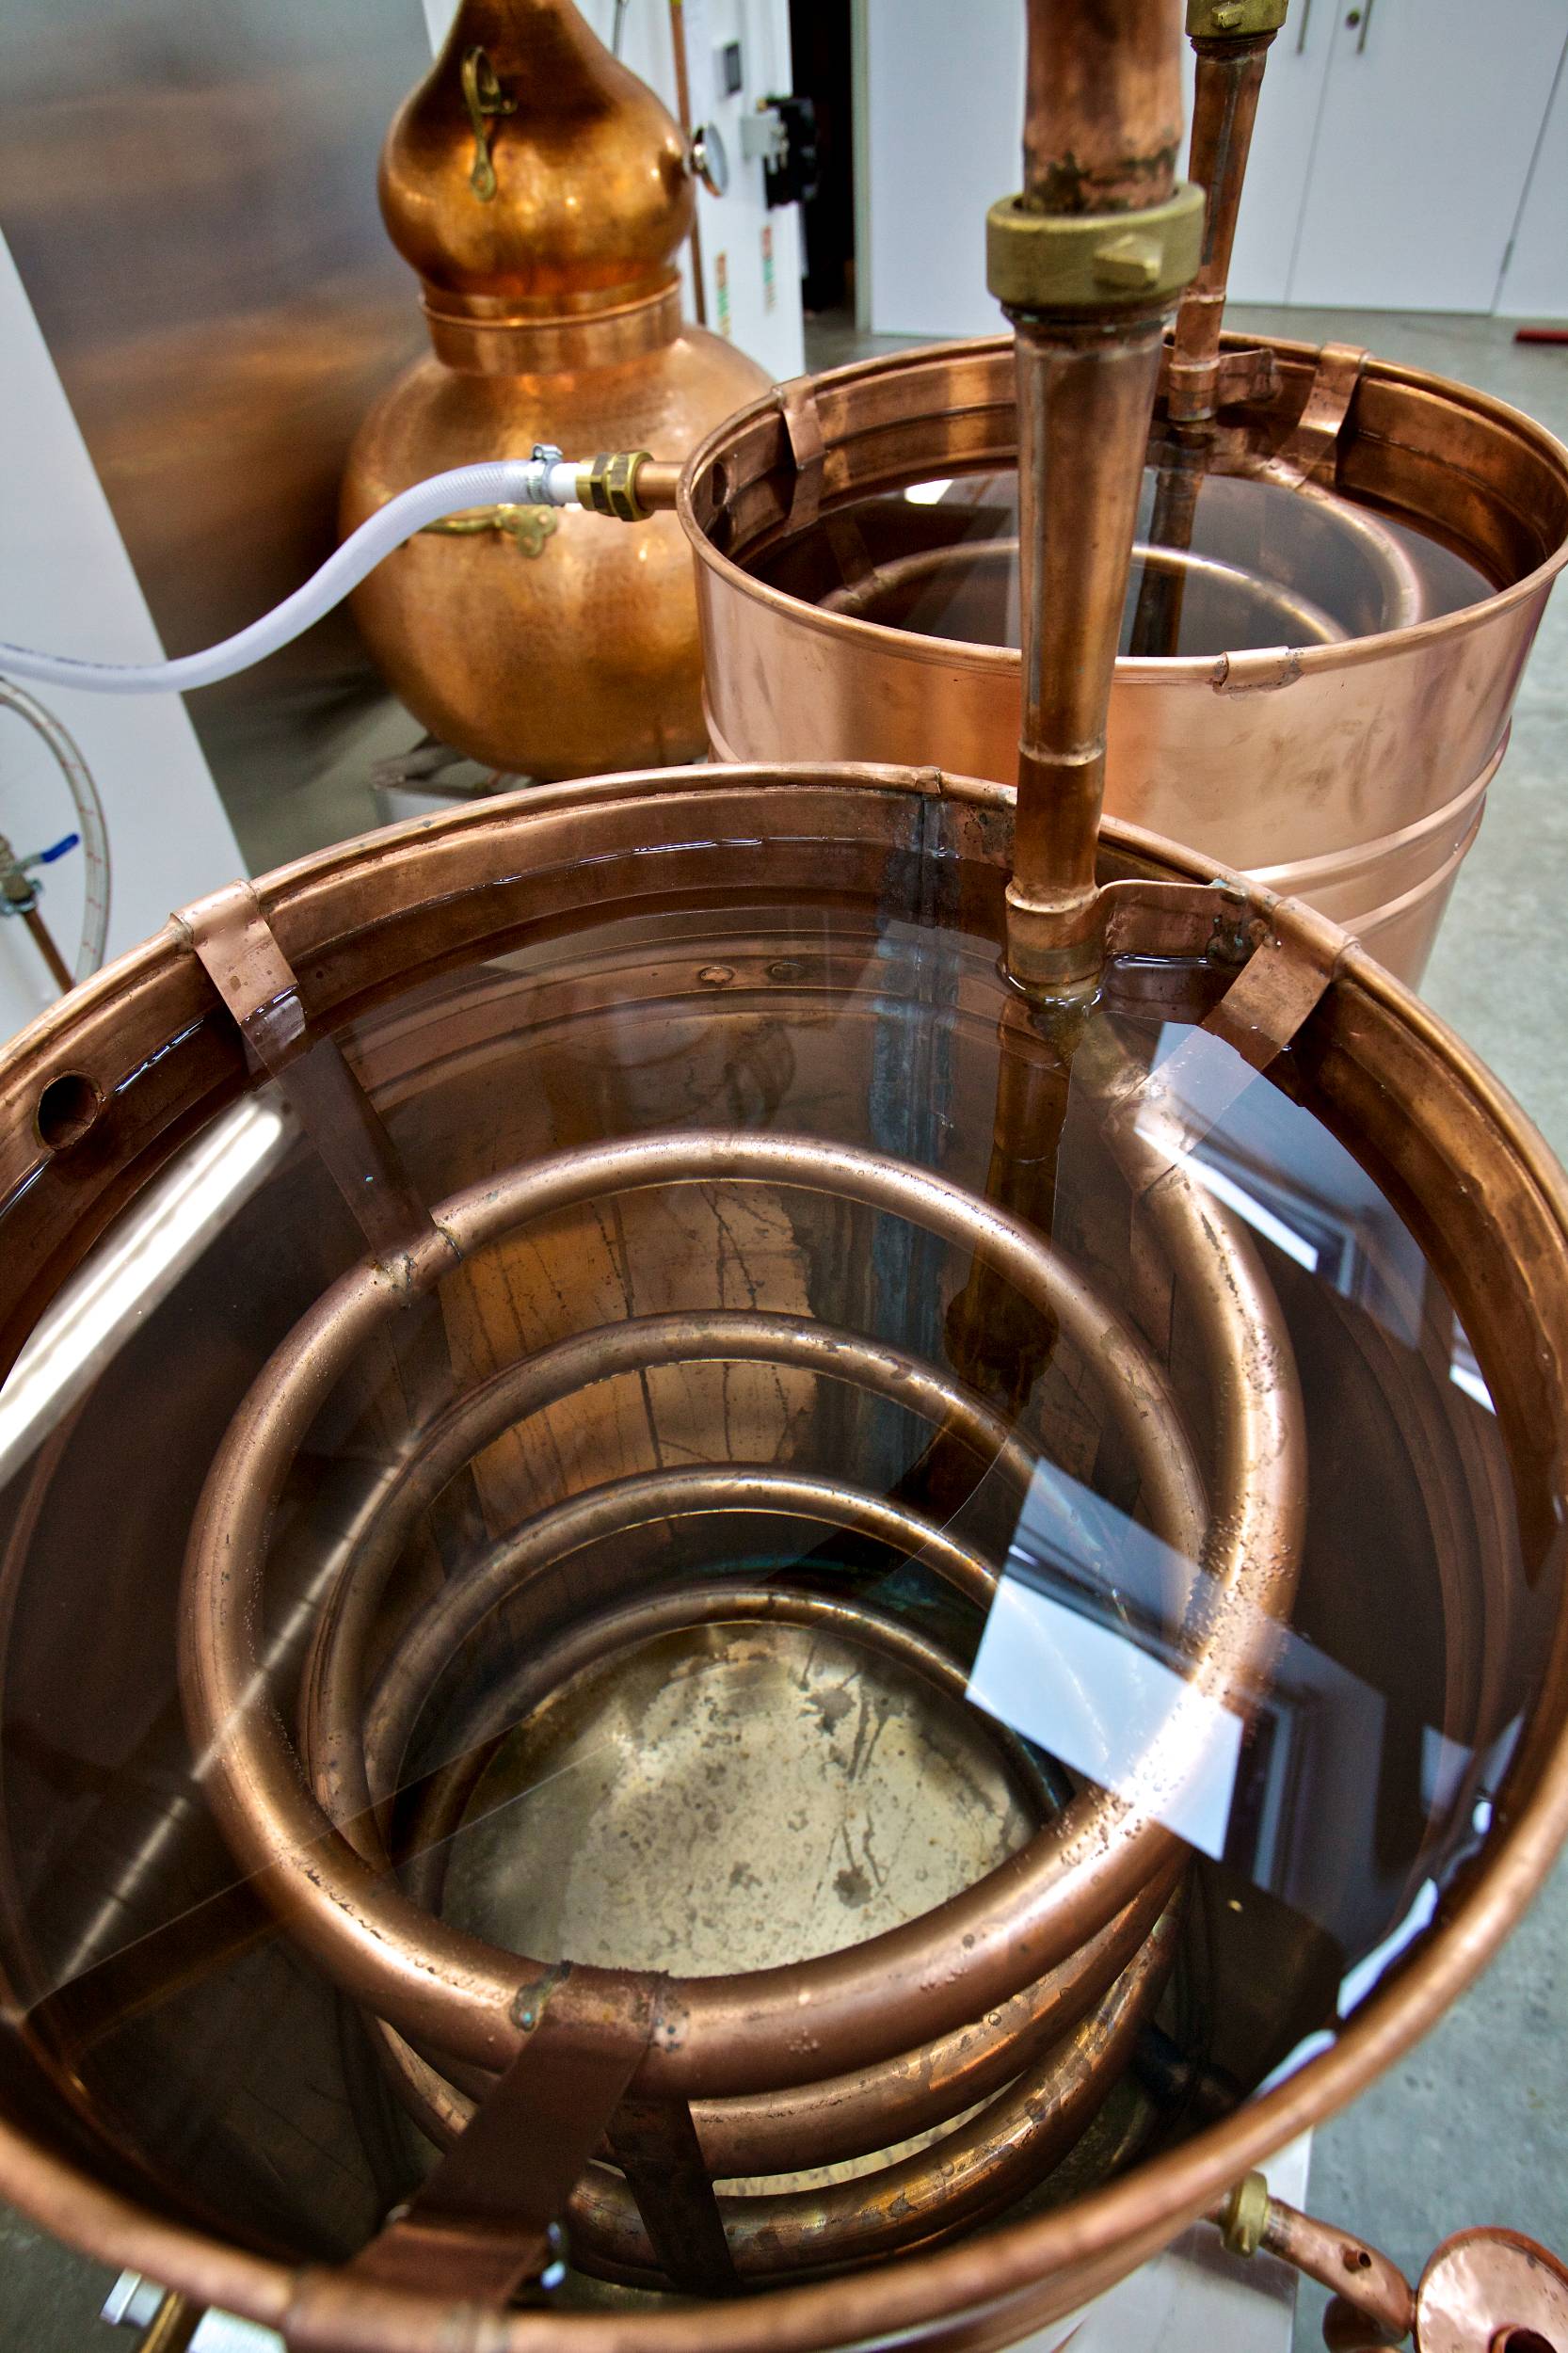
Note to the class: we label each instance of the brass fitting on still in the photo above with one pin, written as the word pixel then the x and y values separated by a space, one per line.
pixel 629 484
pixel 626 486
pixel 1089 296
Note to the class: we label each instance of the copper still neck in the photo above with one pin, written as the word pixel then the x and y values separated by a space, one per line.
pixel 541 192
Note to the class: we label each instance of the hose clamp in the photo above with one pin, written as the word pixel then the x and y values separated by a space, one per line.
pixel 1051 261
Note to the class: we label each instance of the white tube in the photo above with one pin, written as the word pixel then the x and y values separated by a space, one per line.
pixel 545 479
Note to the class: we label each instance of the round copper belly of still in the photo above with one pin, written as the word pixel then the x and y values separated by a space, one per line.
pixel 1337 741
pixel 768 909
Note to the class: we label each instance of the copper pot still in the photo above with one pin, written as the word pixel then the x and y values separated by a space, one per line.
pixel 566 1315
pixel 1341 567
pixel 541 192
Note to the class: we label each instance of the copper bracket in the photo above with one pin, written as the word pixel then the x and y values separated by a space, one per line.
pixel 1311 447
pixel 797 405
pixel 235 945
pixel 1191 389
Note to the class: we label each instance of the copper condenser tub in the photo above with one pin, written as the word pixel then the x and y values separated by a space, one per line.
pixel 1316 684
pixel 576 1367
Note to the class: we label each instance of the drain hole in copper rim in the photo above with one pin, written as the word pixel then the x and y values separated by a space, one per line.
pixel 66 1110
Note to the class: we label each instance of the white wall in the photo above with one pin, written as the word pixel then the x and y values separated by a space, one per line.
pixel 67 585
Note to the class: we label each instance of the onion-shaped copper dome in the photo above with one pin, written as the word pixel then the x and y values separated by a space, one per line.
pixel 581 195
pixel 542 194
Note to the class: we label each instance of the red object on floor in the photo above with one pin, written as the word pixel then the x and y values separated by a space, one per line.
pixel 1540 334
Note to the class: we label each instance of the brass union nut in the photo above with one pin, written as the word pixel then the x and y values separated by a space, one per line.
pixel 607 485
pixel 1047 261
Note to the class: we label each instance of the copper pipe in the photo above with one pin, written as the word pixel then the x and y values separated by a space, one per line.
pixel 683 116
pixel 462 1994
pixel 657 480
pixel 1358 2275
pixel 59 972
pixel 855 2115
pixel 1102 117
pixel 1102 124
pixel 1224 108
pixel 975 2171
pixel 1085 395
pixel 332 1679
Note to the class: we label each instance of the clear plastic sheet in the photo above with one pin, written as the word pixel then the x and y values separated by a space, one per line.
pixel 880 1699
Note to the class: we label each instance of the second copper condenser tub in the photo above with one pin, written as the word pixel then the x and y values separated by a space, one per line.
pixel 1373 551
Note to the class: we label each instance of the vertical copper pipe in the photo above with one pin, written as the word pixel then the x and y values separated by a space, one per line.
pixel 1086 397
pixel 59 972
pixel 1086 262
pixel 1225 108
pixel 683 114
pixel 1102 105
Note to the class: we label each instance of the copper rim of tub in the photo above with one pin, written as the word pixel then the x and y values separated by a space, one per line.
pixel 1478 1185
pixel 1354 773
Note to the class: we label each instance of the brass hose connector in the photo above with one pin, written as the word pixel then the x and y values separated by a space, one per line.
pixel 629 484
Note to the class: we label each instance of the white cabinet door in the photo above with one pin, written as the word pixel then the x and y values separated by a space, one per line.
pixel 1429 120
pixel 941 140
pixel 1274 195
pixel 1535 283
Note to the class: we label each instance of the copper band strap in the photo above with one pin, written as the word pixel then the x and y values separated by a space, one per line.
pixel 241 957
pixel 655 2144
pixel 1311 445
pixel 482 2225
pixel 798 405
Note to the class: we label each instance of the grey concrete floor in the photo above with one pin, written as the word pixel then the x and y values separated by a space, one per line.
pixel 1473 2126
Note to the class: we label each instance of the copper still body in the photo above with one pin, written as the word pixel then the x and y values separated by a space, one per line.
pixel 542 193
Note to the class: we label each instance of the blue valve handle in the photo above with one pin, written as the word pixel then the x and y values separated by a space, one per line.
pixel 47 857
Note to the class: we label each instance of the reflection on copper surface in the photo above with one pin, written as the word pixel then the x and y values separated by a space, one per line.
pixel 189 197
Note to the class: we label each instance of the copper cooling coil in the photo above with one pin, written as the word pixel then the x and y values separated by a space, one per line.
pixel 1066 1950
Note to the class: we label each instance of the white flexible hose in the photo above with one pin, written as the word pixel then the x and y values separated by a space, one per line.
pixel 545 480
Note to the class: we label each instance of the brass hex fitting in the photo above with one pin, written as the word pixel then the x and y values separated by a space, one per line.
pixel 1233 20
pixel 1092 260
pixel 607 485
